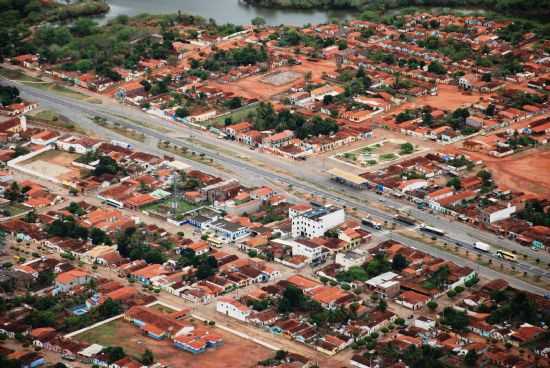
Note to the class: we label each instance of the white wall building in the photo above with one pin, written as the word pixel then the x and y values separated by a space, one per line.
pixel 496 213
pixel 316 222
pixel 232 308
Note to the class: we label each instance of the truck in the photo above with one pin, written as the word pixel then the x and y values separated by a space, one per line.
pixel 482 246
pixel 122 144
pixel 405 219
pixel 371 223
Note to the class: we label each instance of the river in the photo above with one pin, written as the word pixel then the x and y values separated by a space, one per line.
pixel 223 11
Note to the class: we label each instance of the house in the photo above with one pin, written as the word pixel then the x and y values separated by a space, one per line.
pixel 197 341
pixel 386 285
pixel 412 185
pixel 236 129
pixel 228 230
pixel 278 139
pixel 81 145
pixel 66 281
pixel 331 297
pixel 327 90
pixel 317 222
pixel 525 334
pixel 145 274
pixel 14 126
pixel 44 138
pixel 233 308
pixel 412 300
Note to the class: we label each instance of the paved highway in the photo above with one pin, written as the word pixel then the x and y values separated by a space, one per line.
pixel 296 174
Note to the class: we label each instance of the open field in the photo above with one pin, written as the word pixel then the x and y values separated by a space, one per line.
pixel 526 172
pixel 281 78
pixel 448 98
pixel 56 164
pixel 17 75
pixel 125 132
pixel 55 120
pixel 235 352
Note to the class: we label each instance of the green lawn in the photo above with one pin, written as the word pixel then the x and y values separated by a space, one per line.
pixel 388 157
pixel 165 207
pixel 57 121
pixel 17 75
pixel 15 209
pixel 103 335
pixel 40 84
pixel 235 116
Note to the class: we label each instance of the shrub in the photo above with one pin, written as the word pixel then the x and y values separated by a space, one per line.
pixel 451 293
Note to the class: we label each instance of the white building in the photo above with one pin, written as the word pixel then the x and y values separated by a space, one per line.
pixel 81 145
pixel 232 308
pixel 316 222
pixel 496 213
pixel 350 259
pixel 424 323
pixel 312 251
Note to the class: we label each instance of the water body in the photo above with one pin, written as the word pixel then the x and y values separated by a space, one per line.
pixel 223 11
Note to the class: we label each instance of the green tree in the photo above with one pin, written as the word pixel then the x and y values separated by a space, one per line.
pixel 437 68
pixel 406 148
pixel 258 22
pixel 454 182
pixel 399 262
pixel 293 299
pixel 470 359
pixel 147 358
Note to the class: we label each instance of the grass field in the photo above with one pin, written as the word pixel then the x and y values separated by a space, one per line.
pixel 235 116
pixel 14 209
pixel 56 120
pixel 128 133
pixel 43 85
pixel 165 207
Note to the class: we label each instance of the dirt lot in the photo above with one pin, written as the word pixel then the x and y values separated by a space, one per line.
pixel 235 352
pixel 448 98
pixel 256 87
pixel 56 164
pixel 523 172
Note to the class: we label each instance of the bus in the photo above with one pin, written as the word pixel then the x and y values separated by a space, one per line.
pixel 432 230
pixel 374 224
pixel 506 255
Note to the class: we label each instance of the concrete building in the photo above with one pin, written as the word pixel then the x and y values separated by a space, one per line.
pixel 317 221
pixel 232 308
pixel 496 213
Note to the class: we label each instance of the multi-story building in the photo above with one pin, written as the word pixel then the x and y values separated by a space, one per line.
pixel 317 221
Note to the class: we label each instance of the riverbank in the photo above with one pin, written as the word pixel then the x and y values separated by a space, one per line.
pixel 527 10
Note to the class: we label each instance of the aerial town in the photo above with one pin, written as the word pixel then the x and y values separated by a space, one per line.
pixel 369 192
